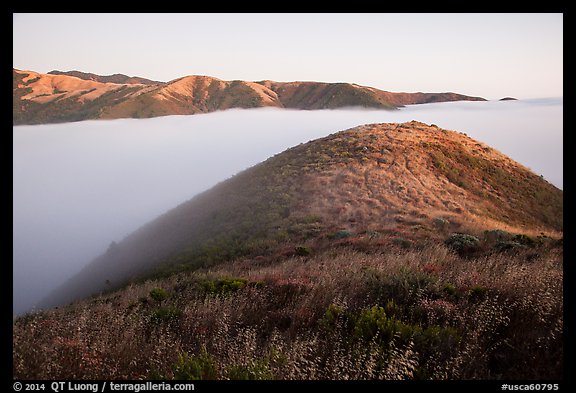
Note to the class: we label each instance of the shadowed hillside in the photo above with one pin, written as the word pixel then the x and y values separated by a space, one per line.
pixel 116 78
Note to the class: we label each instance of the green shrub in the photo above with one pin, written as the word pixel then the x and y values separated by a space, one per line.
pixel 436 342
pixel 440 223
pixel 302 251
pixel 158 294
pixel 165 314
pixel 255 370
pixel 429 341
pixel 194 368
pixel 330 317
pixel 508 245
pixel 477 293
pixel 450 290
pixel 224 286
pixel 374 321
pixel 155 375
pixel 401 242
pixel 463 243
pixel 525 240
pixel 497 235
pixel 341 234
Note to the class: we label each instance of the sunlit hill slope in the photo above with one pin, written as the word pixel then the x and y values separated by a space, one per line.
pixel 386 251
pixel 73 96
pixel 395 180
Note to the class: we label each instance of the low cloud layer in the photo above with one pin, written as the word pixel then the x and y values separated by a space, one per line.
pixel 79 186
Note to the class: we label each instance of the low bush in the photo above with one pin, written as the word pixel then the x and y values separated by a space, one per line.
pixel 508 245
pixel 497 235
pixel 374 322
pixel 341 235
pixel 401 242
pixel 194 368
pixel 462 243
pixel 165 314
pixel 254 370
pixel 525 240
pixel 158 294
pixel 302 251
pixel 440 223
pixel 223 286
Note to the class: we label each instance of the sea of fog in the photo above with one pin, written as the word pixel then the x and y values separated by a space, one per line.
pixel 79 186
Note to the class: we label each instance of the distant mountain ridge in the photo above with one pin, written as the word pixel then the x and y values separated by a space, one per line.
pixel 74 96
pixel 115 78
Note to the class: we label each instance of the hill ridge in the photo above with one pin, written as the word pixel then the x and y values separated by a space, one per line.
pixel 75 96
pixel 397 180
pixel 114 78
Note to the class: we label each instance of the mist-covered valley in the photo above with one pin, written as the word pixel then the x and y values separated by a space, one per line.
pixel 77 187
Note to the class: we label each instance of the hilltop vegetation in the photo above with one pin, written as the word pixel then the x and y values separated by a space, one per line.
pixel 385 312
pixel 381 178
pixel 386 251
pixel 74 96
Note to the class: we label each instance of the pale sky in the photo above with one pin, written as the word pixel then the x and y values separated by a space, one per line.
pixel 487 55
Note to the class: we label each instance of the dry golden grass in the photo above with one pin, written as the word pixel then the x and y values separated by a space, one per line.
pixel 349 257
pixel 47 87
pixel 374 173
pixel 381 183
pixel 298 318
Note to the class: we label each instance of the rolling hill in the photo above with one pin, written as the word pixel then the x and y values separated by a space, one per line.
pixel 396 180
pixel 382 252
pixel 75 96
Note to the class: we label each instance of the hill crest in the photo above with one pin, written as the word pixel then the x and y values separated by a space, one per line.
pixel 409 180
pixel 75 96
pixel 115 78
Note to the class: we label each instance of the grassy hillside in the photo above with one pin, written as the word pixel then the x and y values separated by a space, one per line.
pixel 38 99
pixel 386 251
pixel 316 95
pixel 390 312
pixel 75 96
pixel 396 180
pixel 188 96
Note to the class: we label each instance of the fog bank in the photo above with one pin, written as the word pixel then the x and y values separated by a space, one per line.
pixel 79 186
